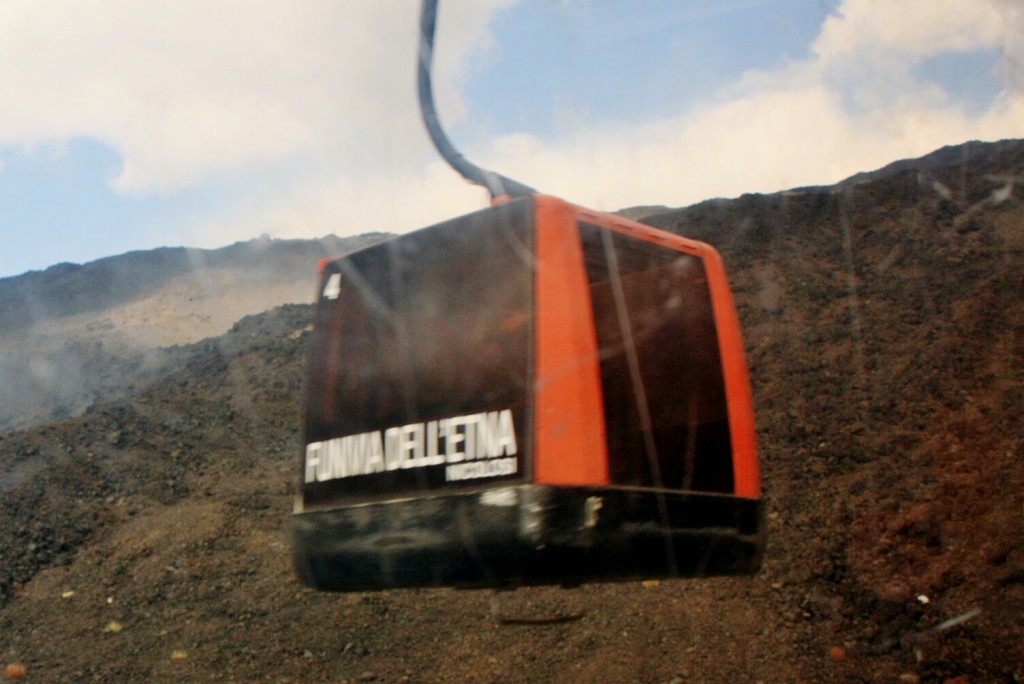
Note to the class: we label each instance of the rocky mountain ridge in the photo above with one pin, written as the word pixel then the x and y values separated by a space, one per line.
pixel 73 334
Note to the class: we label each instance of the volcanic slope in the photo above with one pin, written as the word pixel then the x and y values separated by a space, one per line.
pixel 145 539
pixel 73 333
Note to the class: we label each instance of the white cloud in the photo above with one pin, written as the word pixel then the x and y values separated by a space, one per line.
pixel 193 89
pixel 863 28
pixel 854 105
pixel 346 205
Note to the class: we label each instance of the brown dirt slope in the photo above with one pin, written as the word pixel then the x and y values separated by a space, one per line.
pixel 145 539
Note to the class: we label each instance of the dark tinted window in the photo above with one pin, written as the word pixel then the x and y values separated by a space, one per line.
pixel 429 333
pixel 661 372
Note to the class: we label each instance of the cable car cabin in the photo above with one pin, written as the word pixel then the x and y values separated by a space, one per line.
pixel 530 394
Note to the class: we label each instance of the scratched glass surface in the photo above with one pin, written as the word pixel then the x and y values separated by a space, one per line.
pixel 225 463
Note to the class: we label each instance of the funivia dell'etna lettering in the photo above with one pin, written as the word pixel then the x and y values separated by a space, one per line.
pixel 472 446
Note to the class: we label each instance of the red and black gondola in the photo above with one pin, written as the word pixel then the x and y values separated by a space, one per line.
pixel 534 393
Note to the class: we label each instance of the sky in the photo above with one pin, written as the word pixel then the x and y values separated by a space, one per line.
pixel 127 125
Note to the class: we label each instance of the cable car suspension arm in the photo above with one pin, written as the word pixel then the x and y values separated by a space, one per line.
pixel 496 184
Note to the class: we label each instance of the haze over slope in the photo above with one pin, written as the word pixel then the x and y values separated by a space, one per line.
pixel 144 540
pixel 73 333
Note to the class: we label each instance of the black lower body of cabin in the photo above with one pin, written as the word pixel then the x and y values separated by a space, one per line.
pixel 527 534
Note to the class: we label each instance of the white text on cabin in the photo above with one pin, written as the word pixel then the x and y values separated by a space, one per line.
pixel 474 437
